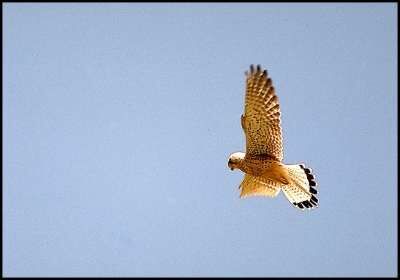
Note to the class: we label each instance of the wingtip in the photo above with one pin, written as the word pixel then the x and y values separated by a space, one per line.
pixel 251 68
pixel 257 69
pixel 265 73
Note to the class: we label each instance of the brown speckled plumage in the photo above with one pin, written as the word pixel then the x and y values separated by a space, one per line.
pixel 265 174
pixel 261 119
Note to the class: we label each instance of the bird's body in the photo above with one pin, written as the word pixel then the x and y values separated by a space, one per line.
pixel 266 174
pixel 265 167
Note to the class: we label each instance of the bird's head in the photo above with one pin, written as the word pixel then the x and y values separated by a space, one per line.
pixel 235 160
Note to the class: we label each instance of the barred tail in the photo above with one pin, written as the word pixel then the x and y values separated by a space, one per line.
pixel 301 191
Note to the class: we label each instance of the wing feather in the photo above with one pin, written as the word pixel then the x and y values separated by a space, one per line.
pixel 261 119
pixel 257 186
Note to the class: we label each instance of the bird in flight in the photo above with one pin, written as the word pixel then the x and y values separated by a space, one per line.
pixel 265 173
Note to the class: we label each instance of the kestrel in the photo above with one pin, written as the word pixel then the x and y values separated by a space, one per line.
pixel 265 173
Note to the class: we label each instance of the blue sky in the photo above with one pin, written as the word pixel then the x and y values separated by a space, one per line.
pixel 119 120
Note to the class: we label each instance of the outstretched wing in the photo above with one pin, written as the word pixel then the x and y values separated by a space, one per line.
pixel 252 186
pixel 261 119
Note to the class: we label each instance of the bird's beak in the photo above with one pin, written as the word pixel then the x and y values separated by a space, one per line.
pixel 230 166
